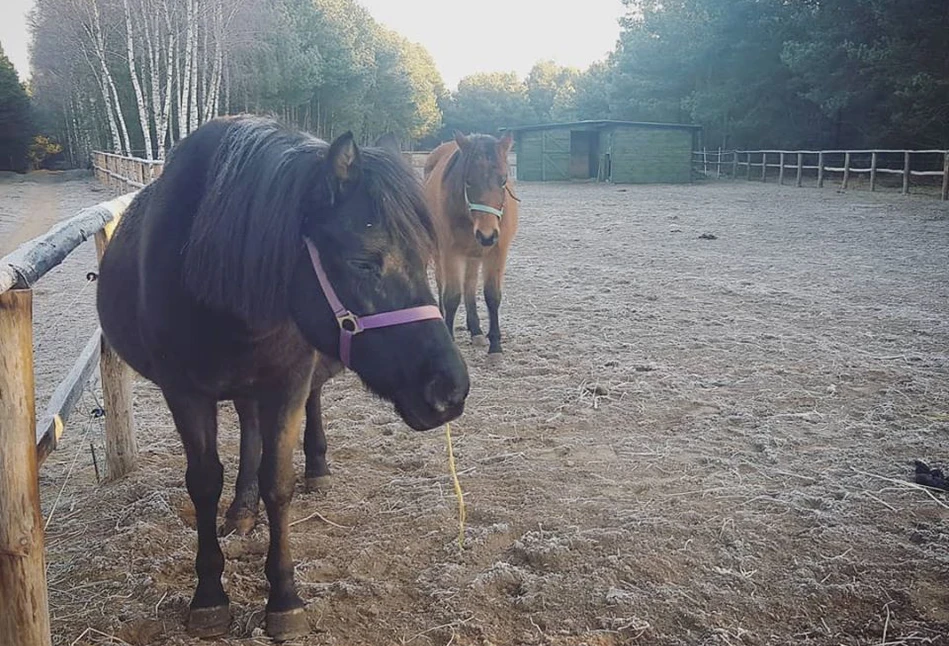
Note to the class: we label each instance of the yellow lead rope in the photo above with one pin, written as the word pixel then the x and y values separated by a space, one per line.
pixel 458 492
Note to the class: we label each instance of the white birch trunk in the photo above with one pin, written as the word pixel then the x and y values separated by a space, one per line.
pixel 99 41
pixel 143 115
pixel 107 102
pixel 184 81
pixel 193 70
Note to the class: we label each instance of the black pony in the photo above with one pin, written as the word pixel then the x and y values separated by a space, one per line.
pixel 218 285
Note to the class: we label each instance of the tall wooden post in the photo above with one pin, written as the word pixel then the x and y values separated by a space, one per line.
pixel 764 165
pixel 800 169
pixel 846 179
pixel 748 173
pixel 719 169
pixel 945 176
pixel 24 605
pixel 781 170
pixel 873 171
pixel 121 450
pixel 820 169
pixel 905 172
pixel 735 165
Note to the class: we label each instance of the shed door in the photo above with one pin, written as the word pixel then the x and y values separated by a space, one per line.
pixel 555 159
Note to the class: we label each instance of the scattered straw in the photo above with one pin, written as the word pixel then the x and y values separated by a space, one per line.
pixel 458 492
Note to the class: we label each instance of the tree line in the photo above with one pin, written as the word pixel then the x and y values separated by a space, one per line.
pixel 135 76
pixel 753 73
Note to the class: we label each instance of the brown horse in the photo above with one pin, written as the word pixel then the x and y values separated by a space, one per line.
pixel 473 203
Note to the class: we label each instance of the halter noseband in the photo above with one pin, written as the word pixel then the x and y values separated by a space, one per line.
pixel 350 324
pixel 473 206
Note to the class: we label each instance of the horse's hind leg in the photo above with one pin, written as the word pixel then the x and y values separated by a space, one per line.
pixel 242 514
pixel 196 420
pixel 472 266
pixel 493 276
pixel 317 472
pixel 281 411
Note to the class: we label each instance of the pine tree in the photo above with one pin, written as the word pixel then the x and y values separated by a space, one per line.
pixel 15 120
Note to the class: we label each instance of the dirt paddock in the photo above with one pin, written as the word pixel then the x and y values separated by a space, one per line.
pixel 687 441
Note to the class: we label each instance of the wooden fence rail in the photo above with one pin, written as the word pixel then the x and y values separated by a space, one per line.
pixel 25 442
pixel 132 173
pixel 731 163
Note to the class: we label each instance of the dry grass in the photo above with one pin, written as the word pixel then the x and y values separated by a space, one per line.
pixel 687 441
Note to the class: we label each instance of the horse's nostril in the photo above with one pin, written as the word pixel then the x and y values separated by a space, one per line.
pixel 443 392
pixel 487 241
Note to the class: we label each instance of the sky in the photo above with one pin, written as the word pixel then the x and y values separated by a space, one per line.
pixel 463 36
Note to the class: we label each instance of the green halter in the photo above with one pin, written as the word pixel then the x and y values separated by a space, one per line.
pixel 482 207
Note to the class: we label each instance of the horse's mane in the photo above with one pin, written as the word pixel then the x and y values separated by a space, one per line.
pixel 261 184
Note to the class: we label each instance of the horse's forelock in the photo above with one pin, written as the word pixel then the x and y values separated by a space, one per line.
pixel 397 189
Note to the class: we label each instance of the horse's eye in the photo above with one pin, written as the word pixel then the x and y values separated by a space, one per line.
pixel 503 180
pixel 366 267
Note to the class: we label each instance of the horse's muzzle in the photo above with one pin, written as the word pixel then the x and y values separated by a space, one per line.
pixel 487 241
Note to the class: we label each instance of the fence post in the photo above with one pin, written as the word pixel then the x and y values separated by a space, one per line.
pixel 846 179
pixel 735 165
pixel 24 619
pixel 748 174
pixel 719 171
pixel 781 170
pixel 121 450
pixel 820 169
pixel 905 172
pixel 764 165
pixel 873 171
pixel 800 169
pixel 704 161
pixel 945 176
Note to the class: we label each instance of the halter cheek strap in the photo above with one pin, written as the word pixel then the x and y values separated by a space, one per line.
pixel 473 206
pixel 350 324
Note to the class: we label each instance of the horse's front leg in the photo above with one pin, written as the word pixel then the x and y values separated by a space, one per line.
pixel 317 472
pixel 242 513
pixel 451 290
pixel 493 276
pixel 281 412
pixel 472 267
pixel 196 420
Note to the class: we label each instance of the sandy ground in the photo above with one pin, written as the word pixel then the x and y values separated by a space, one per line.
pixel 687 441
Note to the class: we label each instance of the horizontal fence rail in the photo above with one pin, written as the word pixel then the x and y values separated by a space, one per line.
pixel 874 163
pixel 132 173
pixel 26 439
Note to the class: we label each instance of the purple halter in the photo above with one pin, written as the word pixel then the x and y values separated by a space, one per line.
pixel 349 324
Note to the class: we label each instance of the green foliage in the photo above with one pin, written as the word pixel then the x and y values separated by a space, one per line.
pixel 16 126
pixel 486 102
pixel 41 149
pixel 840 73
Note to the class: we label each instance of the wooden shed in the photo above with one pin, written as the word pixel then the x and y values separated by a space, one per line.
pixel 623 152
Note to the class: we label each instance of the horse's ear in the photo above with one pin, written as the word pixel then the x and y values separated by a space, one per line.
pixel 343 159
pixel 504 144
pixel 460 139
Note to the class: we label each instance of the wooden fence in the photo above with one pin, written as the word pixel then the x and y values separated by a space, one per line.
pixel 133 173
pixel 755 164
pixel 27 439
pixel 125 173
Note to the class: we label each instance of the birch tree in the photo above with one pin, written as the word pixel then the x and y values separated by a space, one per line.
pixel 143 116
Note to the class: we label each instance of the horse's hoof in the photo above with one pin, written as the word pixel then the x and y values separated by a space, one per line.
pixel 478 340
pixel 205 623
pixel 313 484
pixel 290 624
pixel 240 525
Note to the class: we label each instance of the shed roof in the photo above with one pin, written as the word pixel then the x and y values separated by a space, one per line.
pixel 603 123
